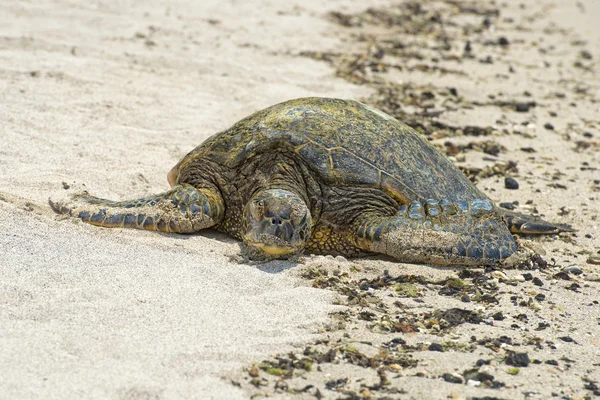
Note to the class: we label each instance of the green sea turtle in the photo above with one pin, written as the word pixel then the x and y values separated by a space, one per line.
pixel 324 176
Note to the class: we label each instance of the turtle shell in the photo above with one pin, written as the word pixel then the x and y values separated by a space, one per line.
pixel 345 143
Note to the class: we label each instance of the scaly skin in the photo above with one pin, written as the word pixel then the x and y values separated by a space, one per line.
pixel 183 209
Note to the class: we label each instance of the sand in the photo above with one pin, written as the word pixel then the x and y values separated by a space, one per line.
pixel 110 95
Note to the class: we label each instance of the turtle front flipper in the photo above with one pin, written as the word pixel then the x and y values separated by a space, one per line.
pixel 525 224
pixel 183 209
pixel 439 232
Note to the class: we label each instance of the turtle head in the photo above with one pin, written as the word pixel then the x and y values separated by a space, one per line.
pixel 278 224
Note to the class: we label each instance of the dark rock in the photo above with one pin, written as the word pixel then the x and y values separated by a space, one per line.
pixel 522 107
pixel 498 316
pixel 567 339
pixel 517 359
pixel 436 347
pixel 508 206
pixel 537 281
pixel 511 183
pixel 549 126
pixel 452 378
pixel 573 269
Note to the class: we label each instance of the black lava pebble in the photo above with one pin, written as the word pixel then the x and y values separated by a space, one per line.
pixel 537 281
pixel 508 206
pixel 436 347
pixel 451 378
pixel 517 359
pixel 498 316
pixel 511 183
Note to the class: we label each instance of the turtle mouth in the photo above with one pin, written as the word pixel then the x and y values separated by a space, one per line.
pixel 274 250
pixel 272 245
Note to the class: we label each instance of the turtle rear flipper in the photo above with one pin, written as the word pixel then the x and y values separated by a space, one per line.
pixel 183 209
pixel 528 225
pixel 439 232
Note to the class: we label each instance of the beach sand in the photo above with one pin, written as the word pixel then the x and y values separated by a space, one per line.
pixel 108 96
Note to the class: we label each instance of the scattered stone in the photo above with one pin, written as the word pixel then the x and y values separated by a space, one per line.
pixel 498 316
pixel 452 378
pixel 540 297
pixel 537 281
pixel 573 269
pixel 522 107
pixel 511 183
pixel 567 339
pixel 593 260
pixel 527 276
pixel 436 347
pixel 517 359
pixel 549 126
pixel 508 206
pixel 503 41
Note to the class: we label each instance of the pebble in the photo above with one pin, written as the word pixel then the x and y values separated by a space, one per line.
pixel 527 276
pixel 537 281
pixel 500 275
pixel 517 359
pixel 508 206
pixel 452 378
pixel 573 269
pixel 436 347
pixel 593 260
pixel 549 126
pixel 540 297
pixel 498 316
pixel 522 107
pixel 511 183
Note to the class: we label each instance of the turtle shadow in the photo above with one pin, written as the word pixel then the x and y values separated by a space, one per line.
pixel 276 266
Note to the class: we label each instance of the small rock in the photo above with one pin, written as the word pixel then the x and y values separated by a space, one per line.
pixel 573 269
pixel 540 297
pixel 567 339
pixel 593 260
pixel 537 281
pixel 549 126
pixel 498 316
pixel 552 362
pixel 436 347
pixel 522 107
pixel 511 183
pixel 452 378
pixel 527 276
pixel 508 206
pixel 503 41
pixel 501 276
pixel 517 359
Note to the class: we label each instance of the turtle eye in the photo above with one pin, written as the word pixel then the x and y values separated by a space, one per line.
pixel 257 209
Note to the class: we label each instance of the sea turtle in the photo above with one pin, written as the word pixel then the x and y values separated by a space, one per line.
pixel 324 176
